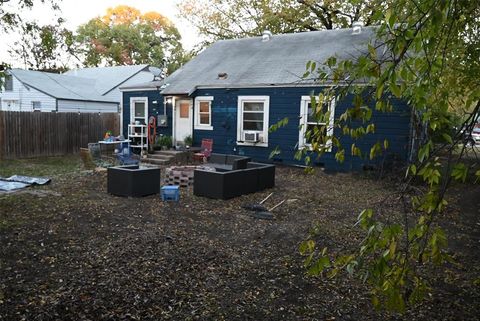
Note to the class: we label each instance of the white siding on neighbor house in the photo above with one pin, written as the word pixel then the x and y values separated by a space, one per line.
pixel 76 106
pixel 21 98
pixel 139 78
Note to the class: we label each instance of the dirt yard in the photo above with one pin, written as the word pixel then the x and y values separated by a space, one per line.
pixel 70 251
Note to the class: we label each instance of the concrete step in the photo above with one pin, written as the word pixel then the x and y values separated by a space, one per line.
pixel 155 161
pixel 168 152
pixel 176 155
pixel 161 156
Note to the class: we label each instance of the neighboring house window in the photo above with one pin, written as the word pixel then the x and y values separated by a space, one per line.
pixel 308 122
pixel 252 126
pixel 36 106
pixel 10 105
pixel 203 113
pixel 138 110
pixel 8 83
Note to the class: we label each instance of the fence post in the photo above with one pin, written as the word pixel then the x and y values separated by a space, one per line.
pixel 2 134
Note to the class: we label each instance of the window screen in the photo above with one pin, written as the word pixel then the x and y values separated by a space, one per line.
pixel 204 113
pixel 253 116
pixel 139 109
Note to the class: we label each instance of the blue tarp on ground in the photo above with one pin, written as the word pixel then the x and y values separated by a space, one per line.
pixel 17 181
pixel 28 179
pixel 10 186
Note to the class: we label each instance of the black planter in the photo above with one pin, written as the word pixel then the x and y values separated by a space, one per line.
pixel 133 181
pixel 225 184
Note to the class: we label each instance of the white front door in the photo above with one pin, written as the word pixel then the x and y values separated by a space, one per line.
pixel 183 119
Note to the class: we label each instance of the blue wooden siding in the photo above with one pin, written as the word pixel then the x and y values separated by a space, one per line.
pixel 154 109
pixel 285 102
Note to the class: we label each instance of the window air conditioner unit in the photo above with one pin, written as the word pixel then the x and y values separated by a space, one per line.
pixel 251 137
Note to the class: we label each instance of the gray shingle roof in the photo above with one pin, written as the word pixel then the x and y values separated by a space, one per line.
pixel 107 77
pixel 279 61
pixel 60 86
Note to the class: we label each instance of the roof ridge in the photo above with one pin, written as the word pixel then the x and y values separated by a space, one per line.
pixel 127 72
pixel 107 67
pixel 123 81
pixel 57 82
pixel 70 90
pixel 49 74
pixel 293 34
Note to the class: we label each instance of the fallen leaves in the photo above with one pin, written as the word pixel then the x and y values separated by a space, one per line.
pixel 87 255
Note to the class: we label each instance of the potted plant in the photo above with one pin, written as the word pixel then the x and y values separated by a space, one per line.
pixel 188 140
pixel 163 142
pixel 168 142
pixel 158 143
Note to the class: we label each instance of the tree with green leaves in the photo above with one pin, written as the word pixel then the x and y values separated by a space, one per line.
pixel 427 54
pixel 45 48
pixel 10 15
pixel 125 36
pixel 227 19
pixel 10 18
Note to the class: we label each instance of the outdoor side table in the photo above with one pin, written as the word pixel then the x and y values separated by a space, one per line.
pixel 170 193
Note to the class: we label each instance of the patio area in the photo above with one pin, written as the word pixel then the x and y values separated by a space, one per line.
pixel 71 251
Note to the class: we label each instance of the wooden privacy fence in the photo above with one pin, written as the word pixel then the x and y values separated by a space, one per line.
pixel 35 134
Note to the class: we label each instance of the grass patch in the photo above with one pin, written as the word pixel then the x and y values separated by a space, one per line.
pixel 7 224
pixel 44 166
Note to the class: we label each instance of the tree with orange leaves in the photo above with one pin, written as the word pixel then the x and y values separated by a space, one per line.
pixel 125 36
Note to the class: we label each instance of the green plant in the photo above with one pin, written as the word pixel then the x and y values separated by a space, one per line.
pixel 164 140
pixel 125 36
pixel 426 54
pixel 188 140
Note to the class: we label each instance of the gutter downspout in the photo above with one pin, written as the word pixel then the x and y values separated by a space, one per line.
pixel 174 123
pixel 120 110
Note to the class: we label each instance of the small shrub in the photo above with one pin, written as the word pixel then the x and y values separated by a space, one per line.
pixel 188 140
pixel 164 140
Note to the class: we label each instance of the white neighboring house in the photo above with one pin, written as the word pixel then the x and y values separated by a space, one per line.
pixel 84 90
pixel 109 79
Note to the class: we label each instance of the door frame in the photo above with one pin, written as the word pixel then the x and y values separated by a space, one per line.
pixel 133 100
pixel 178 100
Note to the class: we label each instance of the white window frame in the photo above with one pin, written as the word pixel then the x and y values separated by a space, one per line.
pixel 266 112
pixel 198 100
pixel 134 100
pixel 304 122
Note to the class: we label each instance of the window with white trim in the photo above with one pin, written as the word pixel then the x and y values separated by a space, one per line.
pixel 252 120
pixel 139 110
pixel 310 127
pixel 203 113
pixel 37 106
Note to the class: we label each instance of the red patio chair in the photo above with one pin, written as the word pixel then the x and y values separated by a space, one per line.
pixel 206 150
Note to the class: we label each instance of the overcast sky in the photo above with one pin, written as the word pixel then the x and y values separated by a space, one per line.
pixel 77 12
